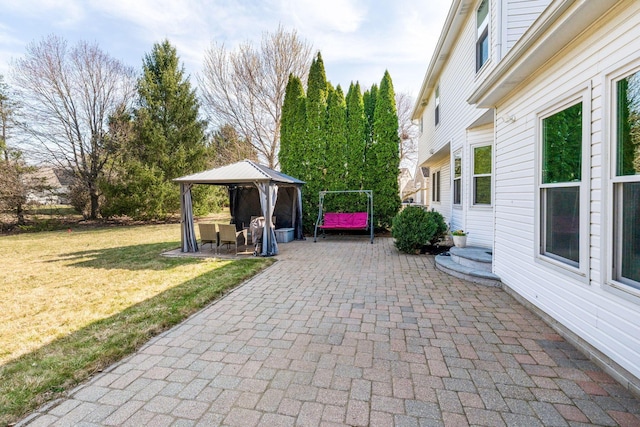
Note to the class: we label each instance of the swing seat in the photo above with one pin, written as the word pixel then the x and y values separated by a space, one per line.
pixel 345 221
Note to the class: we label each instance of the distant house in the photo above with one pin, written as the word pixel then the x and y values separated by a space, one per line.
pixel 530 120
pixel 55 184
pixel 406 185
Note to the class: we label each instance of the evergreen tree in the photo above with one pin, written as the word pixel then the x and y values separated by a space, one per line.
pixel 383 160
pixel 293 129
pixel 168 142
pixel 356 137
pixel 315 145
pixel 369 99
pixel 336 154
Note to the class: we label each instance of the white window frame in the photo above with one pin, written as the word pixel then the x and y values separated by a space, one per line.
pixel 437 106
pixel 456 156
pixel 473 176
pixel 612 243
pixel 581 271
pixel 482 32
pixel 436 186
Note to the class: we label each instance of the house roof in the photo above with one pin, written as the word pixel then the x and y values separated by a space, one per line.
pixel 560 23
pixel 244 172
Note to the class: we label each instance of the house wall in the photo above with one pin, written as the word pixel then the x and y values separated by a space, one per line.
pixel 585 305
pixel 479 219
pixel 444 205
pixel 519 15
pixel 456 115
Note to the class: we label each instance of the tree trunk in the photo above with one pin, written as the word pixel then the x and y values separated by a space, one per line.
pixel 20 214
pixel 94 204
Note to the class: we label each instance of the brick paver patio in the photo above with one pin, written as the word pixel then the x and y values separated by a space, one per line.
pixel 342 332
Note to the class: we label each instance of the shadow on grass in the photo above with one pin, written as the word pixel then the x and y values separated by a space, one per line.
pixel 134 257
pixel 46 373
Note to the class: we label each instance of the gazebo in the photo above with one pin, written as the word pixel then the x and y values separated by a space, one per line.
pixel 253 189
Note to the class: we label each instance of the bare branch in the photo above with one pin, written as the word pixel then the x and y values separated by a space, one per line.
pixel 407 131
pixel 69 96
pixel 245 88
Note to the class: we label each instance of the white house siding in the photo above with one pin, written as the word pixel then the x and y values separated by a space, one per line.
pixel 605 320
pixel 455 116
pixel 520 14
pixel 444 206
pixel 479 221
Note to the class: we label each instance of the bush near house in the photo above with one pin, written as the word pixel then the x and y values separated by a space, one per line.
pixel 415 227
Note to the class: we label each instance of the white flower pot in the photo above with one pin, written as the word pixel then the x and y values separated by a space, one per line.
pixel 460 241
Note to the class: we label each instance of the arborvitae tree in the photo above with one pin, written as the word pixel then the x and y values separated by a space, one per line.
pixel 336 155
pixel 383 158
pixel 369 100
pixel 314 167
pixel 356 137
pixel 293 129
pixel 168 142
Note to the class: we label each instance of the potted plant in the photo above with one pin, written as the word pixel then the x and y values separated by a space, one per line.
pixel 459 238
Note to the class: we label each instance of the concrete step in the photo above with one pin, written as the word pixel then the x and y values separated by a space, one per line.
pixel 447 264
pixel 474 257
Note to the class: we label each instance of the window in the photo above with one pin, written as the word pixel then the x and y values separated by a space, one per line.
pixel 482 175
pixel 457 179
pixel 627 182
pixel 421 126
pixel 562 135
pixel 435 186
pixel 482 39
pixel 437 105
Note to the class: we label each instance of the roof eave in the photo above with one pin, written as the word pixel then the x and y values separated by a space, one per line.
pixel 557 26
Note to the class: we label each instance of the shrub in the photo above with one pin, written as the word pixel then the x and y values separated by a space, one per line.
pixel 415 227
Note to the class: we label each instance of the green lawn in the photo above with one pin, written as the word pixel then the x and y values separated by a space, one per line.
pixel 72 302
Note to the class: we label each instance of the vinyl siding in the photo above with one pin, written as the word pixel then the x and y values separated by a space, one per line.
pixel 585 306
pixel 444 206
pixel 520 14
pixel 455 113
pixel 479 218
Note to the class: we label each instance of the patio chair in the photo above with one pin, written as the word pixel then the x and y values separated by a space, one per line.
pixel 229 236
pixel 208 234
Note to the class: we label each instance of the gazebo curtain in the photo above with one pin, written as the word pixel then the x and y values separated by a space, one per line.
pixel 189 242
pixel 268 198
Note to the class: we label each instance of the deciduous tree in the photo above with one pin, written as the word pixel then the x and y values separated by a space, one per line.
pixel 246 87
pixel 69 95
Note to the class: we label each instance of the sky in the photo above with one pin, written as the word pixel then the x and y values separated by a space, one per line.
pixel 358 39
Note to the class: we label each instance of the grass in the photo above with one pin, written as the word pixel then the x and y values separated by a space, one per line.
pixel 71 303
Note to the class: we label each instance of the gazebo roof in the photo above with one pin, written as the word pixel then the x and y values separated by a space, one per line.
pixel 244 172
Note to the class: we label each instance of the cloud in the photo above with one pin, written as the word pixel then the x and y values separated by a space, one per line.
pixel 342 16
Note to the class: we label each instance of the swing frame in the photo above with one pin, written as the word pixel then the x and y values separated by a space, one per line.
pixel 369 226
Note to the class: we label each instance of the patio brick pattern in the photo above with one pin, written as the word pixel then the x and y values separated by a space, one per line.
pixel 344 332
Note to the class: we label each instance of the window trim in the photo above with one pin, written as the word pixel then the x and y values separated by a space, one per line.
pixel 482 34
pixel 473 176
pixel 609 227
pixel 456 156
pixel 437 105
pixel 579 94
pixel 436 190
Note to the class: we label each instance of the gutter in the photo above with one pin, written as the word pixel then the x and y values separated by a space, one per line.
pixel 561 23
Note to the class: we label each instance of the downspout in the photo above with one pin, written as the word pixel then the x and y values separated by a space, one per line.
pixel 502 29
